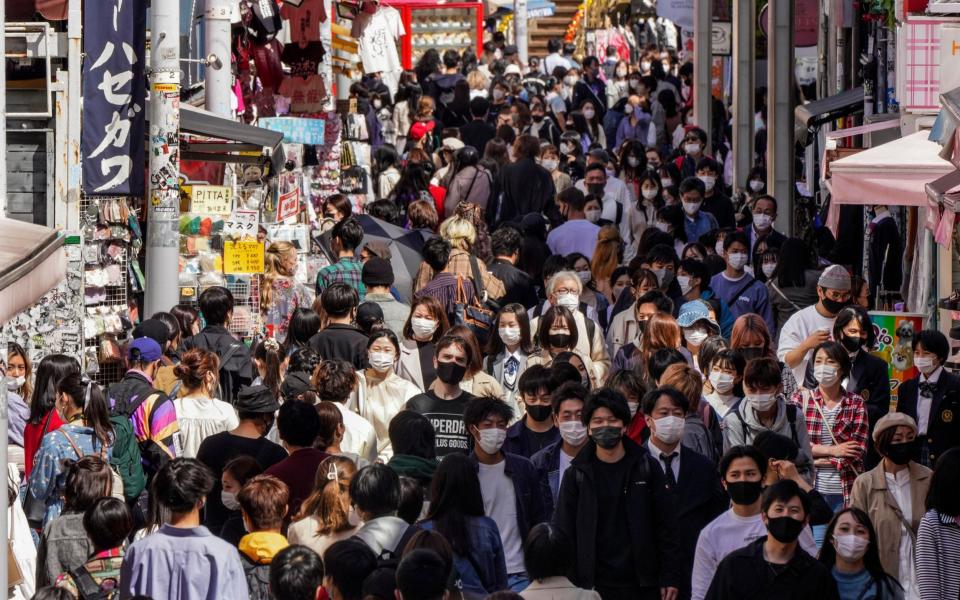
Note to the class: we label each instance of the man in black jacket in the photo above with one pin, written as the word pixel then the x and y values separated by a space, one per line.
pixel 236 370
pixel 478 132
pixel 341 339
pixel 715 201
pixel 505 245
pixel 615 505
pixel 775 566
pixel 526 186
pixel 591 88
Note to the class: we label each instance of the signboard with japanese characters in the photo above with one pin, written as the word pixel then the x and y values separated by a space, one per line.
pixel 211 200
pixel 242 257
pixel 114 92
pixel 294 129
pixel 242 223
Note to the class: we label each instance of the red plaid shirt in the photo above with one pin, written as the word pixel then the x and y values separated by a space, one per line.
pixel 851 425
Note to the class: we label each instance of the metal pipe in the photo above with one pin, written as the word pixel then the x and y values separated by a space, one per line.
pixel 744 42
pixel 163 203
pixel 703 34
pixel 780 67
pixel 218 77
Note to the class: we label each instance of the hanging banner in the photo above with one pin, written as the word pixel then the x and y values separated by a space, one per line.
pixel 895 332
pixel 114 105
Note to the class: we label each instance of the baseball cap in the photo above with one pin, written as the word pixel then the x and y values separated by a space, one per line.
pixel 693 311
pixel 144 349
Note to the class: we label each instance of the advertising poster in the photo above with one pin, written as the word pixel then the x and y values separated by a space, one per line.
pixel 895 333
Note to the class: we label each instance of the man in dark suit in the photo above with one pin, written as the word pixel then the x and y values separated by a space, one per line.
pixel 932 398
pixel 505 245
pixel 699 495
pixel 478 132
pixel 764 211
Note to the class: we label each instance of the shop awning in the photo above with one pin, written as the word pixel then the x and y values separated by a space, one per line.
pixel 945 190
pixel 827 109
pixel 32 262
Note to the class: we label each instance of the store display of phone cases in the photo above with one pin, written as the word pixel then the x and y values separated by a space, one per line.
pixel 443 29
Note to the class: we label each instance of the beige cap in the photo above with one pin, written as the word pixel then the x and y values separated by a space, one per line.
pixel 891 421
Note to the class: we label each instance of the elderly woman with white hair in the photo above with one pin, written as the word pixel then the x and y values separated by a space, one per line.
pixel 462 235
pixel 563 290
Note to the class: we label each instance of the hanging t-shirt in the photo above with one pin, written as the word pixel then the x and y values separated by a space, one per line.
pixel 377 35
pixel 303 58
pixel 446 416
pixel 306 95
pixel 304 20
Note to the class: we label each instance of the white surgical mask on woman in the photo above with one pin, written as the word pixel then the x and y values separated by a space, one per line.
pixel 550 164
pixel 509 335
pixel 825 374
pixel 589 114
pixel 722 382
pixel 423 327
pixel 381 361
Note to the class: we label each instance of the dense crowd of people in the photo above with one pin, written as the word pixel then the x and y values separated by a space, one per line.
pixel 612 378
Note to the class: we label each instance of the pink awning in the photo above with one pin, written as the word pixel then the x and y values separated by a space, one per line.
pixel 32 262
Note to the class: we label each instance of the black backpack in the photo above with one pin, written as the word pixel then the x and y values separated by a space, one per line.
pixel 89 589
pixel 230 379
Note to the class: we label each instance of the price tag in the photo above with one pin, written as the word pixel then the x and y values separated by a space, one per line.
pixel 288 206
pixel 242 257
pixel 211 200
pixel 241 223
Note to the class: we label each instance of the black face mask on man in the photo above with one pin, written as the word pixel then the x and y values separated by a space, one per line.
pixel 450 372
pixel 784 529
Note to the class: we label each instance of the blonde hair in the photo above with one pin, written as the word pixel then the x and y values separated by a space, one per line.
pixel 476 80
pixel 331 482
pixel 685 380
pixel 425 108
pixel 273 269
pixel 606 254
pixel 459 232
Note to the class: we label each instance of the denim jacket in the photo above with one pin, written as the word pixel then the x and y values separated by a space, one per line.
pixel 484 571
pixel 547 461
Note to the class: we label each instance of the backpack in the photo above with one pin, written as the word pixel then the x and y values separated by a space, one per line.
pixel 89 589
pixel 791 419
pixel 230 380
pixel 126 459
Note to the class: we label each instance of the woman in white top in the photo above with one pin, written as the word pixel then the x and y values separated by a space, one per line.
pixel 381 393
pixel 200 414
pixel 326 516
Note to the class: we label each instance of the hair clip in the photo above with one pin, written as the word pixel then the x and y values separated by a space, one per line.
pixel 86 393
pixel 271 344
pixel 332 472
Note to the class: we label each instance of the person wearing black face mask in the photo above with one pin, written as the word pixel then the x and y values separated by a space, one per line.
pixel 613 482
pixel 536 430
pixel 868 373
pixel 444 402
pixel 743 470
pixel 894 495
pixel 775 566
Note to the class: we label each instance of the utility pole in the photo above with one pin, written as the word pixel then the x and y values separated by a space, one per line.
pixel 218 75
pixel 520 29
pixel 3 153
pixel 780 141
pixel 744 57
pixel 163 206
pixel 702 54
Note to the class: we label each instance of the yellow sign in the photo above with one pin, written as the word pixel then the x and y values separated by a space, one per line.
pixel 242 257
pixel 165 87
pixel 211 200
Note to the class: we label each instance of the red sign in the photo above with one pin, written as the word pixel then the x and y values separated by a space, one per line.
pixel 289 205
pixel 806 20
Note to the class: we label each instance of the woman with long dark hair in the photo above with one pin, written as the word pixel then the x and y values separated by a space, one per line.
pixel 304 324
pixel 512 340
pixel 86 431
pixel 19 388
pixel 850 552
pixel 43 418
pixel 456 512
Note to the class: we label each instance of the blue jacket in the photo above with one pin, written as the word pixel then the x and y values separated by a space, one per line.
pixel 748 295
pixel 534 502
pixel 516 443
pixel 548 461
pixel 699 225
pixel 484 571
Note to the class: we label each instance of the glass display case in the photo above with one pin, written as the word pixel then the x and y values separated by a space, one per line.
pixel 442 26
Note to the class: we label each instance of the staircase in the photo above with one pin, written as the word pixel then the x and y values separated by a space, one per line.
pixel 544 28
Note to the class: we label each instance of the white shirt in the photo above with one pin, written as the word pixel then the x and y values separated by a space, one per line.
pixel 723 535
pixel 721 403
pixel 924 403
pixel 657 454
pixel 359 436
pixel 199 418
pixel 798 328
pixel 578 235
pixel 899 487
pixel 500 504
pixel 616 191
pixel 377 35
pixel 552 61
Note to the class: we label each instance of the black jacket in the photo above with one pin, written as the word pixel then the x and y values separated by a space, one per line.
pixel 342 342
pixel 720 206
pixel 477 133
pixel 886 256
pixel 126 394
pixel 218 339
pixel 700 499
pixel 943 431
pixel 533 499
pixel 651 520
pixel 526 188
pixel 518 284
pixel 745 575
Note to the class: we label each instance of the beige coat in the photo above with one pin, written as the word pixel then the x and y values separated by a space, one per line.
pixel 557 588
pixel 378 399
pixel 870 495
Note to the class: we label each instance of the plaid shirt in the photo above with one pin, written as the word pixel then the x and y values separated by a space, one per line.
pixel 851 425
pixel 459 264
pixel 347 270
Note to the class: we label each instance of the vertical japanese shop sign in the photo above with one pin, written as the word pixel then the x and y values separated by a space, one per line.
pixel 114 90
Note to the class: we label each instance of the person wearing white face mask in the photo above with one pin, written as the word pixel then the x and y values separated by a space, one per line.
pixel 837 425
pixel 425 325
pixel 507 351
pixel 696 222
pixel 380 393
pixel 764 408
pixel 697 325
pixel 595 274
pixel 740 290
pixel 693 276
pixel 514 492
pixel 692 477
pixel 930 397
pixel 725 372
pixel 636 123
pixel 764 211
pixel 567 407
pixel 550 160
pixel 715 201
pixel 850 552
